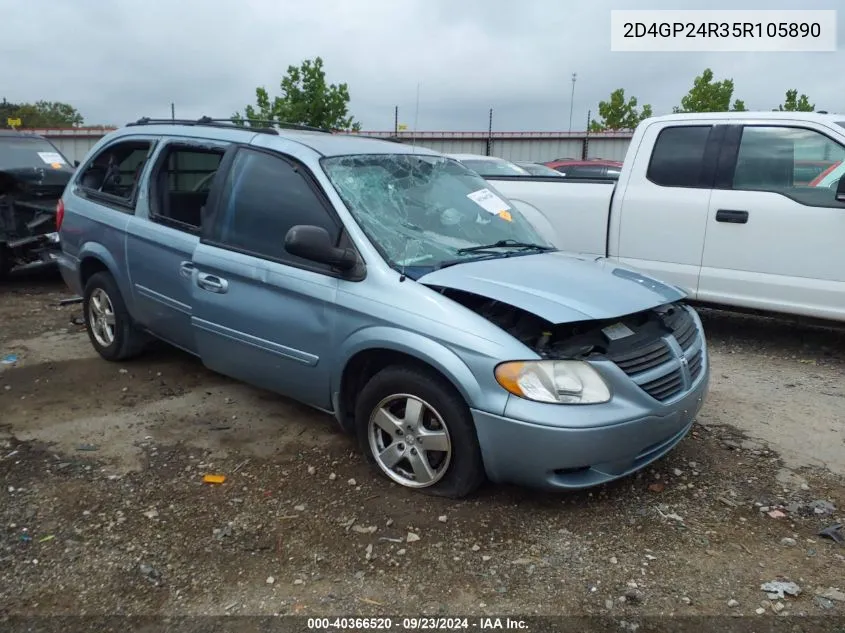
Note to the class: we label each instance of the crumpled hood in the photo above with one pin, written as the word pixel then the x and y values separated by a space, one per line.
pixel 557 287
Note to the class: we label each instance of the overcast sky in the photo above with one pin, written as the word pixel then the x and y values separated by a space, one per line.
pixel 117 60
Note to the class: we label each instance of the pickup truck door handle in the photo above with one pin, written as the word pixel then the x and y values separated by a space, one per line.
pixel 212 283
pixel 186 269
pixel 734 217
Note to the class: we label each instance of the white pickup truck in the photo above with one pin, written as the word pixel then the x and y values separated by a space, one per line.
pixel 723 205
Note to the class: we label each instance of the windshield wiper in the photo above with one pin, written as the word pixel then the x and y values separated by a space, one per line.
pixel 505 244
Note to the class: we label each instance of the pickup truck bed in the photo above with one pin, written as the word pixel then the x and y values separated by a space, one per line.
pixel 572 214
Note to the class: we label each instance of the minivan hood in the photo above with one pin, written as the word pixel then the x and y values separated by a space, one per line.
pixel 557 287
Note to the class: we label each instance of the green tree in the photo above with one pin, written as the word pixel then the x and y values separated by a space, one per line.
pixel 618 114
pixel 794 103
pixel 305 99
pixel 707 95
pixel 41 114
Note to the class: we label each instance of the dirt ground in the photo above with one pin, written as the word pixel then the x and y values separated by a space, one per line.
pixel 103 509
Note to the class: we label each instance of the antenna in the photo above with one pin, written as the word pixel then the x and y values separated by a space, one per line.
pixel 416 118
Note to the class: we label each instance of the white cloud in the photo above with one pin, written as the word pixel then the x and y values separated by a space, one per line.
pixel 122 59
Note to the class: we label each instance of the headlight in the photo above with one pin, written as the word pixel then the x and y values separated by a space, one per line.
pixel 555 381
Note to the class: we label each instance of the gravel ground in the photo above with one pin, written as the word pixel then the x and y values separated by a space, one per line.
pixel 103 509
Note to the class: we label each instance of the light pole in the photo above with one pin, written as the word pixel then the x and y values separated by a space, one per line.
pixel 572 100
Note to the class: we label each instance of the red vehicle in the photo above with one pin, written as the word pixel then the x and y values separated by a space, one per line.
pixel 829 176
pixel 591 168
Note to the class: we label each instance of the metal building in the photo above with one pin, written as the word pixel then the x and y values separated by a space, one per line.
pixel 75 143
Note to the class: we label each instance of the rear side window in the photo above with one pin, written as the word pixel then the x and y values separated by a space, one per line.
pixel 116 170
pixel 181 184
pixel 788 160
pixel 264 196
pixel 678 156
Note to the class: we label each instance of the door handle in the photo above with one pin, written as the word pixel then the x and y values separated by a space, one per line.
pixel 212 283
pixel 186 269
pixel 731 216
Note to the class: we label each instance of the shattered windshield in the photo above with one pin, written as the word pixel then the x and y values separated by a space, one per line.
pixel 23 152
pixel 426 210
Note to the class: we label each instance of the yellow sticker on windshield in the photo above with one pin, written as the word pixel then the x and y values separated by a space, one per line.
pixel 56 165
pixel 505 215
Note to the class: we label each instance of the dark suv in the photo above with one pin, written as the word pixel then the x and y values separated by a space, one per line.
pixel 33 175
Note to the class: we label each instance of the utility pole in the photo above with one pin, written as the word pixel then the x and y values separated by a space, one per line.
pixel 490 133
pixel 396 121
pixel 172 111
pixel 572 100
pixel 416 117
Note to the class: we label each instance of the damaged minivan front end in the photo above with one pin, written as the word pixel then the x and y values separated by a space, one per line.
pixel 575 371
pixel 617 371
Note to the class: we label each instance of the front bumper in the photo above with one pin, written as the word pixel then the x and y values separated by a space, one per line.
pixel 606 442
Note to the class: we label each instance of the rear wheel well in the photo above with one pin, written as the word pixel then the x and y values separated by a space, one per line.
pixel 88 267
pixel 362 367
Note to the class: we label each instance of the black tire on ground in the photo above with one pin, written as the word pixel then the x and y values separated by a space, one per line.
pixel 128 341
pixel 465 472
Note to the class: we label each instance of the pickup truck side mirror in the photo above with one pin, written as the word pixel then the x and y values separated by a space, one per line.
pixel 313 243
pixel 840 190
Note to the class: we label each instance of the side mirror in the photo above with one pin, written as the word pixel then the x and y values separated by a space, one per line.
pixel 76 163
pixel 313 243
pixel 840 190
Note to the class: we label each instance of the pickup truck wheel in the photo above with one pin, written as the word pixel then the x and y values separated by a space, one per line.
pixel 417 431
pixel 109 326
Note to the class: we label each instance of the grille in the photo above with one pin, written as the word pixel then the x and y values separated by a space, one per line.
pixel 683 327
pixel 666 386
pixel 643 358
pixel 657 353
pixel 695 365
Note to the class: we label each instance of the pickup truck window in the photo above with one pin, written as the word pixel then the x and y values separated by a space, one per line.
pixel 775 158
pixel 678 156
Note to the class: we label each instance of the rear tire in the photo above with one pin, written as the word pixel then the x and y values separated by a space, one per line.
pixel 417 430
pixel 110 328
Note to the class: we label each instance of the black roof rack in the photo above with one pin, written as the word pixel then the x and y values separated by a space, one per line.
pixel 256 125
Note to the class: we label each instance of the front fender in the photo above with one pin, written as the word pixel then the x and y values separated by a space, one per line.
pixel 426 350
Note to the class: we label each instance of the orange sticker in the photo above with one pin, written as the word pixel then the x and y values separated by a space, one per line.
pixel 505 215
pixel 214 479
pixel 56 165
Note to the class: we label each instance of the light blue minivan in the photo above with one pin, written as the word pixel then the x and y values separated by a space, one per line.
pixel 387 285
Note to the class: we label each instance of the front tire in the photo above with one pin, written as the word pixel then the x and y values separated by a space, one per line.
pixel 416 430
pixel 109 326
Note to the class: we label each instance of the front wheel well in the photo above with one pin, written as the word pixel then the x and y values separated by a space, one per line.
pixel 362 367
